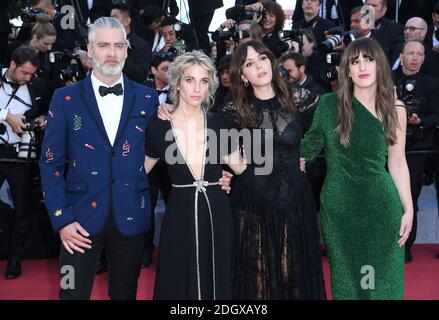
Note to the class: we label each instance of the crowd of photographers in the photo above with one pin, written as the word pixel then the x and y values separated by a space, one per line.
pixel 46 55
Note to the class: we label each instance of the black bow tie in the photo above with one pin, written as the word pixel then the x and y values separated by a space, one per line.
pixel 13 85
pixel 116 89
pixel 159 92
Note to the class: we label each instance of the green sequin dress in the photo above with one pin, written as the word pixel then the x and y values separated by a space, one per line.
pixel 360 206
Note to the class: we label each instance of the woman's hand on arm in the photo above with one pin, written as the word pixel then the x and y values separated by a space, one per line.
pixel 164 112
pixel 236 161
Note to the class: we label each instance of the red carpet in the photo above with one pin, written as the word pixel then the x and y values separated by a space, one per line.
pixel 40 279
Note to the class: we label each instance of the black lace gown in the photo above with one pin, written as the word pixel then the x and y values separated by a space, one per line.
pixel 277 252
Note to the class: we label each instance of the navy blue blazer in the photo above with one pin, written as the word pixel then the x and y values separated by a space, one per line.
pixel 101 179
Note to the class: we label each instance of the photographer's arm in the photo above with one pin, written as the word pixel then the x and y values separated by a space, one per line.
pixel 15 121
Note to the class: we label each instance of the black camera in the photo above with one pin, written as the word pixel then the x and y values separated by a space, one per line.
pixel 338 37
pixel 31 126
pixel 73 66
pixel 288 36
pixel 30 15
pixel 334 58
pixel 331 73
pixel 180 29
pixel 412 103
pixel 234 33
pixel 248 15
pixel 74 70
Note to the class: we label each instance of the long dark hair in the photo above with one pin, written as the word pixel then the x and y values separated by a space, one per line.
pixel 384 100
pixel 243 96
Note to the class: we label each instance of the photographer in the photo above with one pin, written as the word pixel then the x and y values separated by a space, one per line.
pixel 389 34
pixel 179 37
pixel 355 23
pixel 223 93
pixel 21 102
pixel 139 51
pixel 331 10
pixel 152 16
pixel 29 17
pixel 272 22
pixel 246 10
pixel 313 21
pixel 294 65
pixel 315 60
pixel 420 95
pixel 416 29
pixel 245 30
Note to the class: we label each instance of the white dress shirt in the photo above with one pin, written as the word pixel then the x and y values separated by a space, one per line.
pixel 110 107
pixel 163 96
pixel 159 43
pixel 14 107
pixel 435 40
pixel 396 64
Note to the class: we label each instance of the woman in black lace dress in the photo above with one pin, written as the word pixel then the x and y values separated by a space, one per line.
pixel 277 251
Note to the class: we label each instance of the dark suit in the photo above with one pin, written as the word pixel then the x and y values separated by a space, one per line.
pixel 411 8
pixel 106 187
pixel 315 65
pixel 201 14
pixel 171 8
pixel 5 27
pixel 428 111
pixel 100 8
pixel 344 6
pixel 429 36
pixel 390 35
pixel 317 25
pixel 136 66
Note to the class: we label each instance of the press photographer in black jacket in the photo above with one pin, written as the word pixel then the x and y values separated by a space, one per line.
pixel 421 96
pixel 22 102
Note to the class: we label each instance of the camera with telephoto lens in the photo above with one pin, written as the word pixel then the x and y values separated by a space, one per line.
pixel 338 37
pixel 234 33
pixel 29 15
pixel 331 73
pixel 248 15
pixel 73 66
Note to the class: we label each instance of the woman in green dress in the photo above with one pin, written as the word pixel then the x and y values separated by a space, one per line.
pixel 366 211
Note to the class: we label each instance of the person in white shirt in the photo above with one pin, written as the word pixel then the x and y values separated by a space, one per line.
pixel 159 69
pixel 19 106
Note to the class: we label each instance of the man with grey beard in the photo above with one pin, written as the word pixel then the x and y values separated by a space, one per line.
pixel 98 126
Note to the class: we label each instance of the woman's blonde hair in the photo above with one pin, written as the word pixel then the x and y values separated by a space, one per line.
pixel 43 27
pixel 184 61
